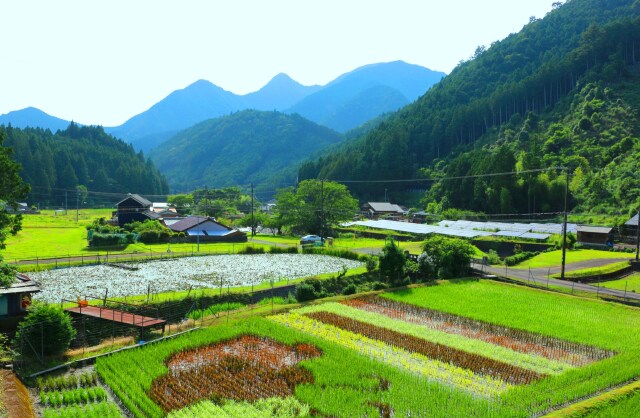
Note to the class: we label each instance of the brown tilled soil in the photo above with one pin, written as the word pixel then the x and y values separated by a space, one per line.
pixel 245 368
pixel 15 396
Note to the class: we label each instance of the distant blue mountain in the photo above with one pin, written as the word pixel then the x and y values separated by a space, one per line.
pixel 403 84
pixel 280 93
pixel 31 117
pixel 181 109
pixel 345 103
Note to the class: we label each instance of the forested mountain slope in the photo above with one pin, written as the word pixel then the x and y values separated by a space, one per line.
pixel 508 97
pixel 247 146
pixel 79 156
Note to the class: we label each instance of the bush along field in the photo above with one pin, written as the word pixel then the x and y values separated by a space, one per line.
pixel 459 348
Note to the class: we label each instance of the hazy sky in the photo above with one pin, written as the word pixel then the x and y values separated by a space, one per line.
pixel 101 62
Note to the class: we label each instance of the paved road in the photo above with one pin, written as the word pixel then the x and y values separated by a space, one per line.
pixel 539 277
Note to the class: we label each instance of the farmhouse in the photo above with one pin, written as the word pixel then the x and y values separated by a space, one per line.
pixel 16 298
pixel 164 210
pixel 375 210
pixel 595 235
pixel 206 229
pixel 134 208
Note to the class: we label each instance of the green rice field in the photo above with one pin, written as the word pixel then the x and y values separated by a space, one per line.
pixel 457 348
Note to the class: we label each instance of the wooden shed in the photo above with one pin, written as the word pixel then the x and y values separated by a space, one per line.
pixel 595 235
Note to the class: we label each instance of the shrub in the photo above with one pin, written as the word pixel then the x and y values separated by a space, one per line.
pixel 379 286
pixel 446 257
pixel 305 292
pixel 46 327
pixel 106 240
pixel 371 264
pixel 283 250
pixel 7 275
pixel 251 250
pixel 493 257
pixel 392 262
pixel 520 257
pixel 349 289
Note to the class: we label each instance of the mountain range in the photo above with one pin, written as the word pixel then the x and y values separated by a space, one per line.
pixel 563 92
pixel 343 104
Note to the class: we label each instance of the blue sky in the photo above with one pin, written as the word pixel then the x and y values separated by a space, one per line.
pixel 101 62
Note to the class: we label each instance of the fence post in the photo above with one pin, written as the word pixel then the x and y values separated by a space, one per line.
pixel 548 273
pixel 573 285
pixel 41 342
pixel 625 290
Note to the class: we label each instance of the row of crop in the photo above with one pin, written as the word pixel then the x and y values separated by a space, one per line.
pixel 251 348
pixel 98 410
pixel 536 363
pixel 232 378
pixel 214 309
pixel 460 358
pixel 514 339
pixel 345 382
pixel 288 407
pixel 245 368
pixel 72 396
pixel 439 371
pixel 603 325
pixel 70 381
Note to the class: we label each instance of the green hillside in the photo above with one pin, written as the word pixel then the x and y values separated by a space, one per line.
pixel 248 146
pixel 562 91
pixel 55 164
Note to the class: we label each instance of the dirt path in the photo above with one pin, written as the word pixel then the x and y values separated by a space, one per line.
pixel 15 396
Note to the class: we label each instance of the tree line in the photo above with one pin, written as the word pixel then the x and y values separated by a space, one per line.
pixel 82 156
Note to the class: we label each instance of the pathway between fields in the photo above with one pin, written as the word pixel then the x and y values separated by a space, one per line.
pixel 538 276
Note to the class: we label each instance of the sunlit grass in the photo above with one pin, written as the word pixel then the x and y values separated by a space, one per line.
pixel 630 283
pixel 554 258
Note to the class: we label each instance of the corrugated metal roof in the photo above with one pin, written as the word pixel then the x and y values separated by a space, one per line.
pixel 633 221
pixel 595 229
pixel 385 207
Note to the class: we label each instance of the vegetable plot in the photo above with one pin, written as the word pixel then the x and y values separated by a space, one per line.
pixel 247 368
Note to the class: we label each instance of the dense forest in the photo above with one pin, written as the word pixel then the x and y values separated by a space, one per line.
pixel 562 92
pixel 56 164
pixel 244 147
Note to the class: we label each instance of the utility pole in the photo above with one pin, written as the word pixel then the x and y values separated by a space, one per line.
pixel 385 194
pixel 564 227
pixel 638 237
pixel 322 208
pixel 65 203
pixel 253 219
pixel 77 203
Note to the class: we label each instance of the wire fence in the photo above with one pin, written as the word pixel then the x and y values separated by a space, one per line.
pixel 590 286
pixel 95 336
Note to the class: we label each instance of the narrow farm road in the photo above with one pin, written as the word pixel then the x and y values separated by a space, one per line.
pixel 541 277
